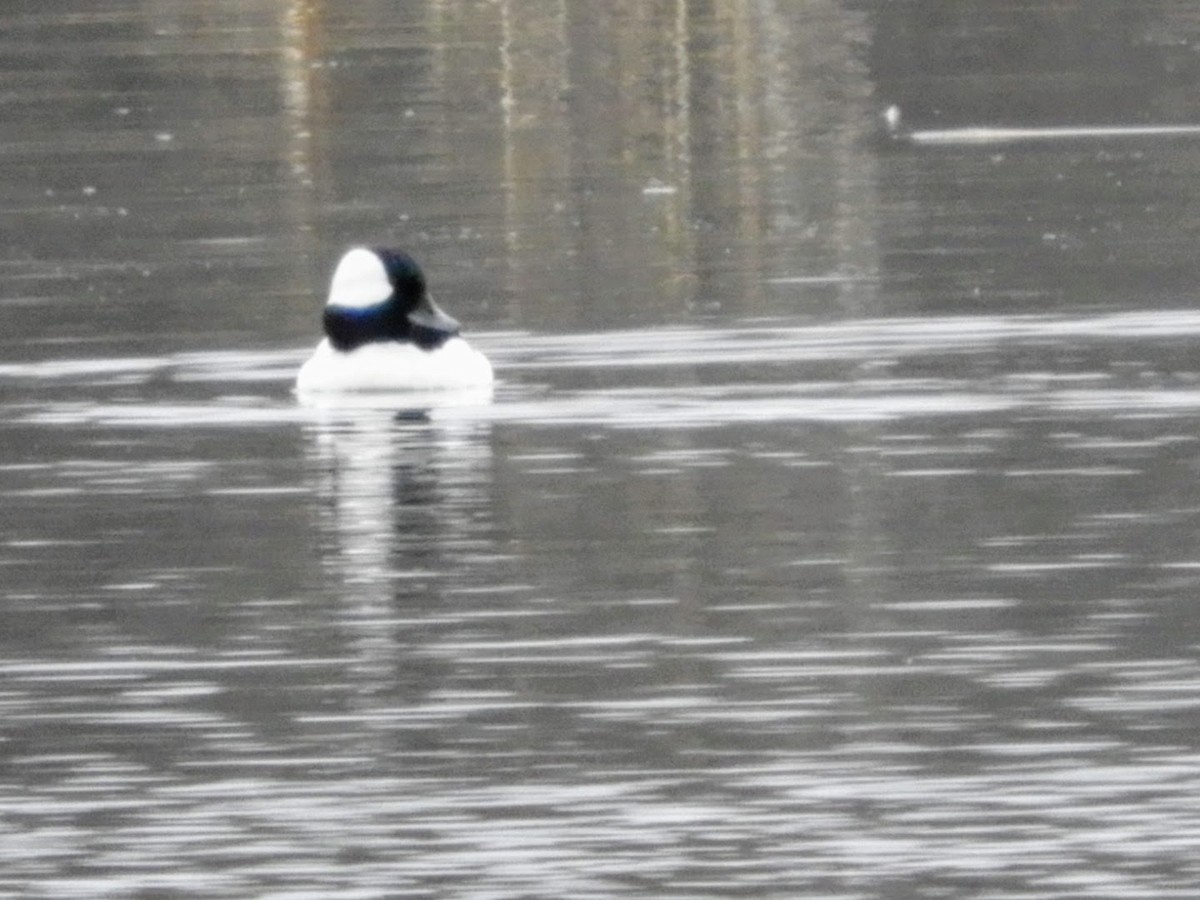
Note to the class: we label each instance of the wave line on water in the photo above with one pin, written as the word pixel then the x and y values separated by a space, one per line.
pixel 755 371
pixel 986 136
pixel 762 341
pixel 114 667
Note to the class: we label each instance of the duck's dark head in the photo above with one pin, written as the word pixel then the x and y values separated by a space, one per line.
pixel 380 295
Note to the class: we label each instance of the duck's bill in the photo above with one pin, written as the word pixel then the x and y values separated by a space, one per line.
pixel 429 316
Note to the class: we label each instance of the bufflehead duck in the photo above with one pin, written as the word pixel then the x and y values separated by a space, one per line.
pixel 383 332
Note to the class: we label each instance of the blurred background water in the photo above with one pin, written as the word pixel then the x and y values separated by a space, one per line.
pixel 832 530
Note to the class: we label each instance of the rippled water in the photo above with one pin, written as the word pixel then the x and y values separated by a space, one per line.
pixel 831 529
pixel 834 628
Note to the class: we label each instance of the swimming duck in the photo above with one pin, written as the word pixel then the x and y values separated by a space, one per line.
pixel 383 332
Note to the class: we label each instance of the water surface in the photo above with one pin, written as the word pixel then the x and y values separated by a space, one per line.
pixel 831 529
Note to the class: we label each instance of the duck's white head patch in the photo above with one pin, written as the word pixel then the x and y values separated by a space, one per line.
pixel 359 280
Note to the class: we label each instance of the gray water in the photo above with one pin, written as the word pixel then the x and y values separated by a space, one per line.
pixel 832 529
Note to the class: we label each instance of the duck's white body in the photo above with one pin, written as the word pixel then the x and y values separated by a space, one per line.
pixel 385 333
pixel 394 366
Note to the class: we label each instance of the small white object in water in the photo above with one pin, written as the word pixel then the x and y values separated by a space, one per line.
pixel 655 187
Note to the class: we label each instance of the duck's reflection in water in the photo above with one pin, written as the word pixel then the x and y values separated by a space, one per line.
pixel 404 506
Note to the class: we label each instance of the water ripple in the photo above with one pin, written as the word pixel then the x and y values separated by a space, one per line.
pixel 874 390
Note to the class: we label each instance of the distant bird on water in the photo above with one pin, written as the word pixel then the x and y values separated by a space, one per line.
pixel 383 332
